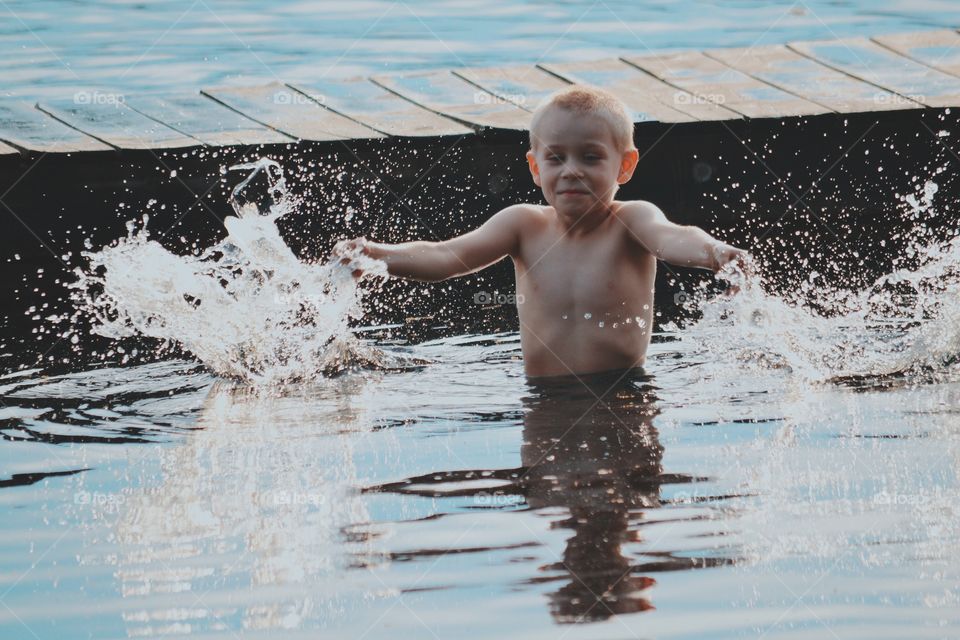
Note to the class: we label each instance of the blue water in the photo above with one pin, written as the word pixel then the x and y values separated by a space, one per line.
pixel 457 500
pixel 52 48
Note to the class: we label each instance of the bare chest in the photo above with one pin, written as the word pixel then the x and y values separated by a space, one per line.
pixel 599 275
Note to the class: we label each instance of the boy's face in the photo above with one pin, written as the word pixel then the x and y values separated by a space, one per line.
pixel 577 163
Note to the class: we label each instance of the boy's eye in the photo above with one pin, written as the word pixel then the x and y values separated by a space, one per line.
pixel 553 159
pixel 591 156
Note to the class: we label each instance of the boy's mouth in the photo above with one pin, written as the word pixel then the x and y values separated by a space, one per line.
pixel 568 192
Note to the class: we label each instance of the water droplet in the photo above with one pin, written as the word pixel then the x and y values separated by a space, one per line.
pixel 587 316
pixel 564 316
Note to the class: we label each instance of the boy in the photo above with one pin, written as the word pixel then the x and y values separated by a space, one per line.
pixel 584 262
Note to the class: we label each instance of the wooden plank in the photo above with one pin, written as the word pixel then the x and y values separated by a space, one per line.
pixel 779 66
pixel 116 124
pixel 281 108
pixel 649 98
pixel 524 86
pixel 26 127
pixel 451 96
pixel 377 108
pixel 711 80
pixel 6 150
pixel 204 119
pixel 870 62
pixel 939 49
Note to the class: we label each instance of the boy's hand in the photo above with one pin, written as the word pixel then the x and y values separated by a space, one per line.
pixel 732 259
pixel 347 250
pixel 725 254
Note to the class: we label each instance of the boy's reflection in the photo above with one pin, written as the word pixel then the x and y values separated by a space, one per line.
pixel 589 446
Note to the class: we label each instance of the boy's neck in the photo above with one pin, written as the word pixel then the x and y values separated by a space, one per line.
pixel 584 223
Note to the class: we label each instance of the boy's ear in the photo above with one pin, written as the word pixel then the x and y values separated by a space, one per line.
pixel 628 165
pixel 534 169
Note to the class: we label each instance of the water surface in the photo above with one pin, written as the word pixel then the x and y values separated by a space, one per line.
pixel 53 48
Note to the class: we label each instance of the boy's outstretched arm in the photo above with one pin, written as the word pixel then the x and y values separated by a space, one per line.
pixel 684 246
pixel 434 261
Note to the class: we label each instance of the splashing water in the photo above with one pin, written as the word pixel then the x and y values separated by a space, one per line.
pixel 247 307
pixel 907 321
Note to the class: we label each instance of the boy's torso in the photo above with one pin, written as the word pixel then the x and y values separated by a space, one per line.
pixel 587 298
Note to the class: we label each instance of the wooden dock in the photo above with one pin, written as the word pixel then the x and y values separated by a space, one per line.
pixel 800 79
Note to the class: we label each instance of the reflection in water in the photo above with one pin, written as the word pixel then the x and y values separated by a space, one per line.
pixel 589 445
pixel 244 505
pixel 591 450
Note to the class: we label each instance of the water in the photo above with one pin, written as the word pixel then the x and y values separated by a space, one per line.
pixel 408 503
pixel 246 306
pixel 775 472
pixel 54 48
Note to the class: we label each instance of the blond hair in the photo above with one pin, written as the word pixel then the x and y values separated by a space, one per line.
pixel 584 100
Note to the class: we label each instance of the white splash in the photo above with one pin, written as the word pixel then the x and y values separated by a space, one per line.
pixel 246 307
pixel 906 321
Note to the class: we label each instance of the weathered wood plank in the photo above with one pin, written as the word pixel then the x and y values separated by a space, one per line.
pixel 204 119
pixel 116 124
pixel 524 86
pixel 377 108
pixel 283 109
pixel 939 49
pixel 779 66
pixel 869 61
pixel 29 128
pixel 451 96
pixel 648 97
pixel 710 80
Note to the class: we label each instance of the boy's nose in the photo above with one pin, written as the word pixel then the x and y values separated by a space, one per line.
pixel 572 169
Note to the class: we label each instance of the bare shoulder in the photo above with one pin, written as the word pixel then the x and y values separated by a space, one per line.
pixel 524 212
pixel 524 218
pixel 640 212
pixel 641 220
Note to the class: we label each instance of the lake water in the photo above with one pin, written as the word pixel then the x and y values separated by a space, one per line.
pixel 52 48
pixel 457 500
pixel 773 473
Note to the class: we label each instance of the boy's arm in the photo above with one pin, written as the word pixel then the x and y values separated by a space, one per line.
pixel 685 246
pixel 434 261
